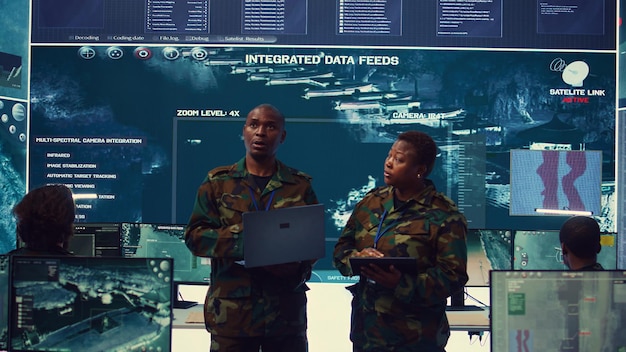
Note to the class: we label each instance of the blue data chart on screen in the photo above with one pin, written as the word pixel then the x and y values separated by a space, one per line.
pixel 274 17
pixel 571 17
pixel 362 17
pixel 469 18
pixel 442 23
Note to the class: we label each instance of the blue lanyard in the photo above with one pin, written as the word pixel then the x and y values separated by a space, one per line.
pixel 256 205
pixel 380 232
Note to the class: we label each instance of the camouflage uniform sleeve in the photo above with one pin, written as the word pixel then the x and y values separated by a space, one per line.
pixel 306 268
pixel 205 234
pixel 354 236
pixel 346 246
pixel 449 274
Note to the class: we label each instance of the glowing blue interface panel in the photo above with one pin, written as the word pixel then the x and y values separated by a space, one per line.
pixel 90 304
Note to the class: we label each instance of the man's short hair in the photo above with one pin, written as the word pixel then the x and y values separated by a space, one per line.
pixel 581 235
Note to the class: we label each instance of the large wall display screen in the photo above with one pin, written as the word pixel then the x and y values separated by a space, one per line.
pixel 131 103
pixel 145 129
pixel 555 24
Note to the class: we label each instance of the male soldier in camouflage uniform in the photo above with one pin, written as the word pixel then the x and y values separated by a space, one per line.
pixel 246 309
pixel 391 310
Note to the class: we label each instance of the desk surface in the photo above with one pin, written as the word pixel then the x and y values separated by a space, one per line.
pixel 190 318
pixel 474 320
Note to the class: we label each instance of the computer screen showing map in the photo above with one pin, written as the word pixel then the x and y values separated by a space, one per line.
pixel 166 241
pixel 558 310
pixel 541 250
pixel 81 304
pixel 487 249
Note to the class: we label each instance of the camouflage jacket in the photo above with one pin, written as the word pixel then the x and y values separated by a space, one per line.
pixel 215 230
pixel 428 227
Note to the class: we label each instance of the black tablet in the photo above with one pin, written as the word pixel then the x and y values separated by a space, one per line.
pixel 407 265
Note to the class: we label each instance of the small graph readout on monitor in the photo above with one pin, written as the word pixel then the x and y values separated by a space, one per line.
pixel 81 304
pixel 487 249
pixel 555 180
pixel 558 310
pixel 96 240
pixel 165 241
pixel 541 250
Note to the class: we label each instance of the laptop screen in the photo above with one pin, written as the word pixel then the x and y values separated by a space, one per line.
pixel 284 235
pixel 558 310
pixel 90 304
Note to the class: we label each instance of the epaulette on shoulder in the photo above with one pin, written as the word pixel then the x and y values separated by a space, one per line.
pixel 297 172
pixel 373 190
pixel 220 170
pixel 447 200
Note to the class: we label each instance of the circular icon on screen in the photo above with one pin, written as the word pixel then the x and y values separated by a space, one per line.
pixel 199 54
pixel 19 112
pixel 115 53
pixel 171 53
pixel 143 53
pixel 575 73
pixel 86 52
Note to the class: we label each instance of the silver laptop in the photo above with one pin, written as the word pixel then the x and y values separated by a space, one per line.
pixel 283 235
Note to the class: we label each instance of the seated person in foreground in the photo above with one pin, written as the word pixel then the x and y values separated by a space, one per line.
pixel 580 243
pixel 45 221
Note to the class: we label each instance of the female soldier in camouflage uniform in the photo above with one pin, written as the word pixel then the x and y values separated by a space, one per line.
pixel 391 310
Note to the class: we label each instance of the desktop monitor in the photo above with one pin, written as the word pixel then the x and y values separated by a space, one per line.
pixel 487 249
pixel 541 250
pixel 539 310
pixel 73 303
pixel 96 240
pixel 167 241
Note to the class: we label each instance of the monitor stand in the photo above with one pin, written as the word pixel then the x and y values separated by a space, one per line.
pixel 179 303
pixel 457 303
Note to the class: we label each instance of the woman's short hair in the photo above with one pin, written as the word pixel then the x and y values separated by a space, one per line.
pixel 425 148
pixel 45 216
